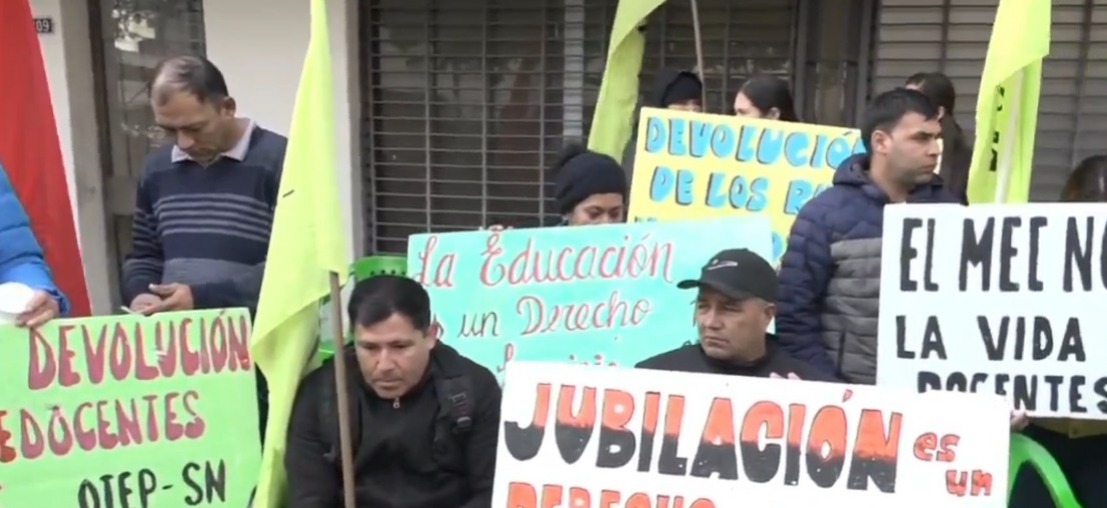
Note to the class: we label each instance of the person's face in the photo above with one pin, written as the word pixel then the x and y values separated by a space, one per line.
pixel 744 107
pixel 692 105
pixel 910 149
pixel 598 209
pixel 393 354
pixel 201 129
pixel 728 326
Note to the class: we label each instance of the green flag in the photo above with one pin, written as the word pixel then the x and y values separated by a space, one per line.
pixel 611 124
pixel 307 244
pixel 1007 106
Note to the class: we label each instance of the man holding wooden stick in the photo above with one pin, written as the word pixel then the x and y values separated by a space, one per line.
pixel 423 419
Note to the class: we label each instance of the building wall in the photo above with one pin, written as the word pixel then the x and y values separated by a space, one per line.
pixel 69 72
pixel 259 45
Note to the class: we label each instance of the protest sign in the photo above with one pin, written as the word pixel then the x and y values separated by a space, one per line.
pixel 769 443
pixel 157 412
pixel 595 294
pixel 997 299
pixel 696 165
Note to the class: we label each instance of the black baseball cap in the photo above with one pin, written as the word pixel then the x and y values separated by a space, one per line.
pixel 738 274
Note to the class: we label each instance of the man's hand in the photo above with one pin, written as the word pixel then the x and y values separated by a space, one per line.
pixel 1019 419
pixel 42 308
pixel 174 297
pixel 791 375
pixel 145 303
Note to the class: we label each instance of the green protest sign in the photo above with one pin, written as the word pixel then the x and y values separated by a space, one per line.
pixel 129 412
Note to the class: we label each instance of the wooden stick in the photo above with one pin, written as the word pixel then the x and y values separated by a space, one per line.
pixel 345 447
pixel 699 52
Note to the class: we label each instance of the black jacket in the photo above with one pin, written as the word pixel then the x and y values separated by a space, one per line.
pixel 411 456
pixel 691 358
pixel 956 159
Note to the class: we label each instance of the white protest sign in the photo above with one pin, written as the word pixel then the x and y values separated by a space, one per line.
pixel 580 436
pixel 997 299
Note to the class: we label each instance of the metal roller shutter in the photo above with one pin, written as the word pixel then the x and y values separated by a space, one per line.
pixel 739 39
pixel 952 36
pixel 467 102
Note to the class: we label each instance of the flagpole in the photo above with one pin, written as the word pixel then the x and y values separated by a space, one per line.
pixel 344 444
pixel 699 52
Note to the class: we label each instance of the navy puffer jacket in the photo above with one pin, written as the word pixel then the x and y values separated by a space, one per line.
pixel 830 273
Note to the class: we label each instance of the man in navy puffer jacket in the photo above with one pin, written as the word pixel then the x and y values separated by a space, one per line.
pixel 830 272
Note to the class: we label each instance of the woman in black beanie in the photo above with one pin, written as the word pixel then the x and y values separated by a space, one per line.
pixel 591 188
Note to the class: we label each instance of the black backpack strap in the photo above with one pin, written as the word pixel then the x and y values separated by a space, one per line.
pixel 455 418
pixel 455 399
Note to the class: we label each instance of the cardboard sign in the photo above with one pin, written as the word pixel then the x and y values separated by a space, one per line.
pixel 695 165
pixel 158 412
pixel 997 299
pixel 580 436
pixel 601 295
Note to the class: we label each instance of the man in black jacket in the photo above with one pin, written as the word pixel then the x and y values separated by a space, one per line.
pixel 424 418
pixel 733 311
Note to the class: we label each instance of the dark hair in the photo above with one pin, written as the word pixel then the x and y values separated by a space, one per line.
pixel 937 87
pixel 887 109
pixel 768 92
pixel 377 298
pixel 193 74
pixel 956 148
pixel 1088 182
pixel 567 153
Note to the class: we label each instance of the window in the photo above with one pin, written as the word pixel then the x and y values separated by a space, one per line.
pixel 132 36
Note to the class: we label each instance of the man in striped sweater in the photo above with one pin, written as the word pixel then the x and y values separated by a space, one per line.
pixel 204 207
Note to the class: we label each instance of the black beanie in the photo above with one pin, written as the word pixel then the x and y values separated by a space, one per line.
pixel 582 173
pixel 685 87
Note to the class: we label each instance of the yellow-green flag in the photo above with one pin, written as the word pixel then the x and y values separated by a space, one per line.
pixel 611 123
pixel 307 244
pixel 1007 106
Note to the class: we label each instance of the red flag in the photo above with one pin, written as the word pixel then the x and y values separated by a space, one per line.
pixel 31 154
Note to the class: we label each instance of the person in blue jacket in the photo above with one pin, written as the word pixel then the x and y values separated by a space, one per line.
pixel 21 260
pixel 830 273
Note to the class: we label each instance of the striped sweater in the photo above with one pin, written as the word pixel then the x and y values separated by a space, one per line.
pixel 207 227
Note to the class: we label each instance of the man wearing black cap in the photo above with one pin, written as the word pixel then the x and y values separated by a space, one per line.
pixel 733 310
